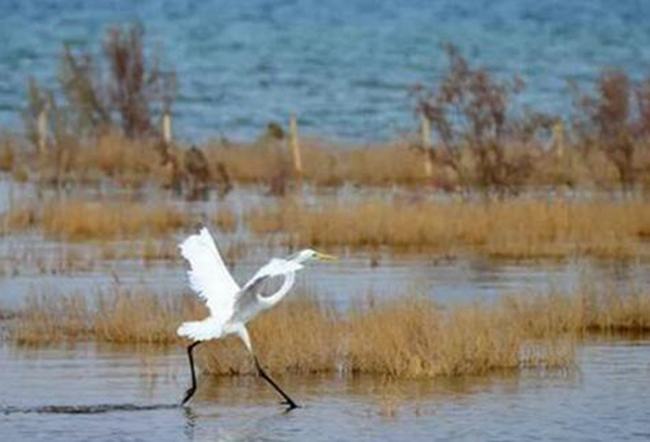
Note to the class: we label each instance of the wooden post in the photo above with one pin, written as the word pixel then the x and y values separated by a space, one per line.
pixel 42 129
pixel 427 145
pixel 295 145
pixel 167 127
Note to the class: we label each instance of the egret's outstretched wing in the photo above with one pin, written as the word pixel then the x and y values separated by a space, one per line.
pixel 246 302
pixel 275 267
pixel 208 275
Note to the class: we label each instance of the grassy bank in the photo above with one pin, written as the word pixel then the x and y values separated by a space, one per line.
pixel 408 336
pixel 132 163
pixel 510 229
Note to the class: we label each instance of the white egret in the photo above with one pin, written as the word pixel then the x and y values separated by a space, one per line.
pixel 231 306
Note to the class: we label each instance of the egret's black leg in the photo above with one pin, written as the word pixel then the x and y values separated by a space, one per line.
pixel 190 391
pixel 287 400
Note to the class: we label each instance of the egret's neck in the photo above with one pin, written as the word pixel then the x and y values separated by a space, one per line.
pixel 270 301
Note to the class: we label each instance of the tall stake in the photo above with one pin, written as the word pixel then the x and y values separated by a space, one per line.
pixel 41 129
pixel 427 145
pixel 295 145
pixel 167 127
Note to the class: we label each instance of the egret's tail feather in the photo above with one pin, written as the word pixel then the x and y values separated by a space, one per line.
pixel 198 330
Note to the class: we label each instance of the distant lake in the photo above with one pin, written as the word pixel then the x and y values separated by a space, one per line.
pixel 344 67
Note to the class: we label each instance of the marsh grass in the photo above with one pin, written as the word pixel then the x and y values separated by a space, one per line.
pixel 517 229
pixel 323 164
pixel 87 220
pixel 133 163
pixel 508 229
pixel 225 220
pixel 405 337
pixel 127 162
pixel 118 316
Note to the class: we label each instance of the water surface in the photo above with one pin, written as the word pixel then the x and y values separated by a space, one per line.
pixel 345 67
pixel 119 394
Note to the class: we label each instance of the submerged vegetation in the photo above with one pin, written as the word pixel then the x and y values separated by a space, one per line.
pixel 408 336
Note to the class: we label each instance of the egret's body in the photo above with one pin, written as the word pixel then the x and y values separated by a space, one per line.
pixel 231 306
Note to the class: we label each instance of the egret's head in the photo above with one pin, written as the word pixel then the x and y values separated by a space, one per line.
pixel 307 255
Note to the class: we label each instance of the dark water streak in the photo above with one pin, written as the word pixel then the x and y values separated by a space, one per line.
pixel 85 409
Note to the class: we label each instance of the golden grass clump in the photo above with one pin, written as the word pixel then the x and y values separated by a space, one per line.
pixel 129 162
pixel 587 311
pixel 119 316
pixel 225 220
pixel 141 317
pixel 372 165
pixel 512 229
pixel 78 220
pixel 20 217
pixel 404 337
pixel 48 319
pixel 467 340
pixel 85 220
pixel 323 164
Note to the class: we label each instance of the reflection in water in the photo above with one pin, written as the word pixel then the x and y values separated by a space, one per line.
pixel 190 423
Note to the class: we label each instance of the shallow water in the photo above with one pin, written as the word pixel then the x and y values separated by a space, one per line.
pixel 85 392
pixel 122 393
pixel 31 264
pixel 344 66
pixel 33 267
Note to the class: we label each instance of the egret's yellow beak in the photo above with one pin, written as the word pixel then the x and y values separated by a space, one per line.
pixel 325 257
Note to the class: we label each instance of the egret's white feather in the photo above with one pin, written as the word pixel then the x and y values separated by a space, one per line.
pixel 204 330
pixel 211 280
pixel 275 267
pixel 249 301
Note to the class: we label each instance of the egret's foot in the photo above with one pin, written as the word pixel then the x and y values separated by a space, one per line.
pixel 188 395
pixel 291 405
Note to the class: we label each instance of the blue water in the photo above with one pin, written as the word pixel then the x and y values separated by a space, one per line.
pixel 344 67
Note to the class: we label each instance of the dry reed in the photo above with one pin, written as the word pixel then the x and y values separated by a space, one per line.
pixel 134 162
pixel 323 164
pixel 225 220
pixel 119 316
pixel 127 162
pixel 82 220
pixel 406 337
pixel 511 229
